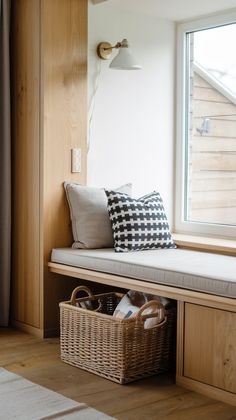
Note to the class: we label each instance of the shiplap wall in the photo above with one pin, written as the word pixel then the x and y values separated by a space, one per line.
pixel 212 186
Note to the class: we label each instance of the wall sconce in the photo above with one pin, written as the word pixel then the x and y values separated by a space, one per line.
pixel 205 127
pixel 124 60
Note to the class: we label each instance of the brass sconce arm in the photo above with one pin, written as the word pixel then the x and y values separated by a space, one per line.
pixel 104 49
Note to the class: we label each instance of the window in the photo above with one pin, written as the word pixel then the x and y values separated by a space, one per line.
pixel 206 127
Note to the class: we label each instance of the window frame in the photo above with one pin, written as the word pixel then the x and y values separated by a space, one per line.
pixel 181 225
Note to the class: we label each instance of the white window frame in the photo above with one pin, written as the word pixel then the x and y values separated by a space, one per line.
pixel 181 225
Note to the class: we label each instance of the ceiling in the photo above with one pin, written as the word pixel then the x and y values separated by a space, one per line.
pixel 174 9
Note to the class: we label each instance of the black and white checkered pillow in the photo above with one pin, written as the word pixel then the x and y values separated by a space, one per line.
pixel 138 224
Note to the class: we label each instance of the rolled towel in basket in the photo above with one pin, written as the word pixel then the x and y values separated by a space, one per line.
pixel 125 310
pixel 139 298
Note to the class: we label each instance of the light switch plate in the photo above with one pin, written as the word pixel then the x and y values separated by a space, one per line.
pixel 75 160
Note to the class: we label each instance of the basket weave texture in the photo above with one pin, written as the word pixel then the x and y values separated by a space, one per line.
pixel 121 350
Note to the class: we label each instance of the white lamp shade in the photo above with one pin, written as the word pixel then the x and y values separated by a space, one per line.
pixel 124 60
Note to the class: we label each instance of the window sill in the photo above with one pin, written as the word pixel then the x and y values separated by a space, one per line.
pixel 217 245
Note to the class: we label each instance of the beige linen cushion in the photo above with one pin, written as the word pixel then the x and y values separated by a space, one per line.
pixel 91 225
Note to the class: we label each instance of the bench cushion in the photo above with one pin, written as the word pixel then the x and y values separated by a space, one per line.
pixel 200 271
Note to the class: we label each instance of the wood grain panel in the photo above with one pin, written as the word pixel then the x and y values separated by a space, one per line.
pixel 228 304
pixel 214 184
pixel 64 46
pixel 180 338
pixel 214 198
pixel 208 94
pixel 208 391
pixel 212 144
pixel 217 245
pixel 200 82
pixel 26 164
pixel 218 129
pixel 213 175
pixel 215 215
pixel 208 108
pixel 212 108
pixel 49 51
pixel 214 161
pixel 209 346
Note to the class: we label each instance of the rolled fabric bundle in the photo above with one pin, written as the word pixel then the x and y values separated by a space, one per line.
pixel 130 305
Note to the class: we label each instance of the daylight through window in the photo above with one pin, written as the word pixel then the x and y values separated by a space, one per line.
pixel 210 126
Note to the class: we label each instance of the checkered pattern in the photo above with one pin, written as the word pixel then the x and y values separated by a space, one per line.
pixel 138 224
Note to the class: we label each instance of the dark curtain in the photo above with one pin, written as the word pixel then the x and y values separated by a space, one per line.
pixel 5 163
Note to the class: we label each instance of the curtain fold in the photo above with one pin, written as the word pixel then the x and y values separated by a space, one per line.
pixel 5 163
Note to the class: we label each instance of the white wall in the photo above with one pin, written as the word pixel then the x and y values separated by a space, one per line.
pixel 132 127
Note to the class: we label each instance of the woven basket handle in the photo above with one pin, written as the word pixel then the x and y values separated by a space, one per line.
pixel 77 290
pixel 152 304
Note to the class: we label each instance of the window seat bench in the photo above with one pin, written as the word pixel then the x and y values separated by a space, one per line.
pixel 204 285
pixel 187 269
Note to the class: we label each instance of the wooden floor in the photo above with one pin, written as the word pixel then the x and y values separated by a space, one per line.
pixel 153 398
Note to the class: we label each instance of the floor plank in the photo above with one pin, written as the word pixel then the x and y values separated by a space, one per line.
pixel 152 398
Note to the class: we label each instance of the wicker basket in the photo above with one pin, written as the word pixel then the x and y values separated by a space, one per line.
pixel 116 349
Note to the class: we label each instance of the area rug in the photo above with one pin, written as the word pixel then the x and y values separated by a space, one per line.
pixel 21 399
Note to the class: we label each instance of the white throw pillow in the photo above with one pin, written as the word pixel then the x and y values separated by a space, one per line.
pixel 91 225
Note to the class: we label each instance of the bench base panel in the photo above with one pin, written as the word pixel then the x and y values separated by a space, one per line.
pixel 222 362
pixel 207 390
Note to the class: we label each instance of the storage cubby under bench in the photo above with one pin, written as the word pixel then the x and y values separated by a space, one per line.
pixel 204 286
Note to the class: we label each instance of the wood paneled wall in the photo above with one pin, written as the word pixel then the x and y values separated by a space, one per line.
pixel 49 96
pixel 26 161
pixel 212 157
